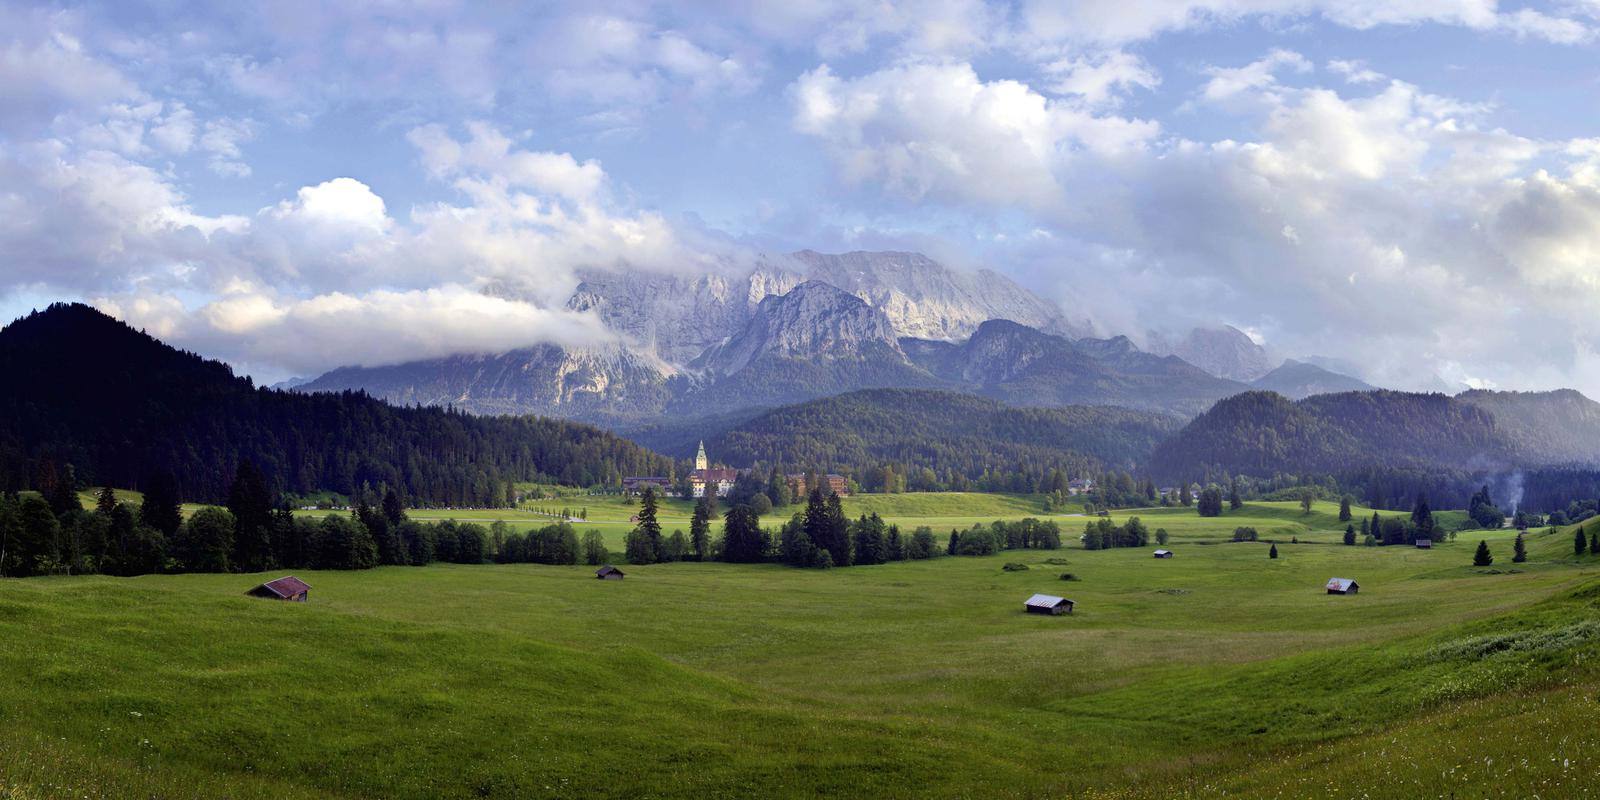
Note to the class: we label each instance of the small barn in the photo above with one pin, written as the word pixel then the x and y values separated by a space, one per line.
pixel 1047 604
pixel 287 588
pixel 1163 554
pixel 1343 586
pixel 608 573
pixel 1424 544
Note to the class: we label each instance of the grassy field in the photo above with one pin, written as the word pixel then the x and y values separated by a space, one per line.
pixel 1217 671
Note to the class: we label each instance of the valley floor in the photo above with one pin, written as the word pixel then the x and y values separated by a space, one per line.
pixel 1220 672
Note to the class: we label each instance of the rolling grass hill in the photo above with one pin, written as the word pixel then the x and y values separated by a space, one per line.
pixel 1220 669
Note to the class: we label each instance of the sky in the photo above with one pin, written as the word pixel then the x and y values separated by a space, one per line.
pixel 1412 187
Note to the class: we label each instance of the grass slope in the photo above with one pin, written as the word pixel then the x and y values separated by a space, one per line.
pixel 1219 668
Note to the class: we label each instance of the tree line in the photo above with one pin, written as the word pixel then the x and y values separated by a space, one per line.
pixel 126 410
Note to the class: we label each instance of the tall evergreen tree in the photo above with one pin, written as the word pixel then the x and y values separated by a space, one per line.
pixel 250 502
pixel 1344 508
pixel 1350 535
pixel 869 541
pixel 1235 499
pixel 1594 543
pixel 1580 543
pixel 161 508
pixel 644 542
pixel 106 501
pixel 1519 551
pixel 700 526
pixel 393 510
pixel 1482 557
pixel 743 541
pixel 1273 553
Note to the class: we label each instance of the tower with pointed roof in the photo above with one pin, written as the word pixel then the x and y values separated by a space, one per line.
pixel 700 460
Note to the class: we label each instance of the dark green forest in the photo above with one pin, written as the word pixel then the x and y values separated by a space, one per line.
pixel 944 440
pixel 121 407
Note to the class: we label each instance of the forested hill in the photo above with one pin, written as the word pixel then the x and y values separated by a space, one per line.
pixel 957 438
pixel 1262 433
pixel 81 388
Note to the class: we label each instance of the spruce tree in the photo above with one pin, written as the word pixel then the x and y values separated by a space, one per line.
pixel 1580 543
pixel 700 526
pixel 1519 551
pixel 1235 501
pixel 742 539
pixel 1349 535
pixel 1482 558
pixel 106 502
pixel 644 542
pixel 1344 508
pixel 250 502
pixel 1594 543
pixel 1273 553
pixel 161 509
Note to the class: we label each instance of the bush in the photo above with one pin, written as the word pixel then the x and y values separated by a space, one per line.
pixel 1014 567
pixel 1067 576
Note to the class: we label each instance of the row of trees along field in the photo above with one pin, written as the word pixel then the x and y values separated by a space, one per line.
pixel 52 533
pixel 819 536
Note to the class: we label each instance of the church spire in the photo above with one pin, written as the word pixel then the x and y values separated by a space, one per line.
pixel 700 461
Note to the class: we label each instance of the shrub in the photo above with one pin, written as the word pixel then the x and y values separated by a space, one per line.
pixel 1067 576
pixel 1014 567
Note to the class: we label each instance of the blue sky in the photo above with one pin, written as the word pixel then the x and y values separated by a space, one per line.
pixel 1414 187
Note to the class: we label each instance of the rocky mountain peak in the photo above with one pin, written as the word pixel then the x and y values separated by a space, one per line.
pixel 1225 352
pixel 814 320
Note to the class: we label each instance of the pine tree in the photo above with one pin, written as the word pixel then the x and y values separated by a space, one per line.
pixel 250 502
pixel 393 510
pixel 1519 551
pixel 1273 553
pixel 1482 558
pixel 1594 543
pixel 1580 543
pixel 161 509
pixel 1185 497
pixel 1349 535
pixel 644 541
pixel 106 502
pixel 1344 508
pixel 700 526
pixel 1235 500
pixel 742 539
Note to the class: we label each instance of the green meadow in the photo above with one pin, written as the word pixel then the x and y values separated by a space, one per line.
pixel 1218 672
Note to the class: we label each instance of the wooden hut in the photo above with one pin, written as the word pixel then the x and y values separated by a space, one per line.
pixel 1343 586
pixel 1163 554
pixel 1047 604
pixel 1424 544
pixel 608 573
pixel 287 588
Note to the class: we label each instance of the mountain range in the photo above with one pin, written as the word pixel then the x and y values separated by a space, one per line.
pixel 808 325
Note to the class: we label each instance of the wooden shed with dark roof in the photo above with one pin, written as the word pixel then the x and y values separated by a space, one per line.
pixel 287 588
pixel 608 573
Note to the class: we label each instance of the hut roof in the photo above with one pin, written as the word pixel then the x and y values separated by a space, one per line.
pixel 1046 601
pixel 287 586
pixel 1163 552
pixel 1341 584
pixel 608 570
